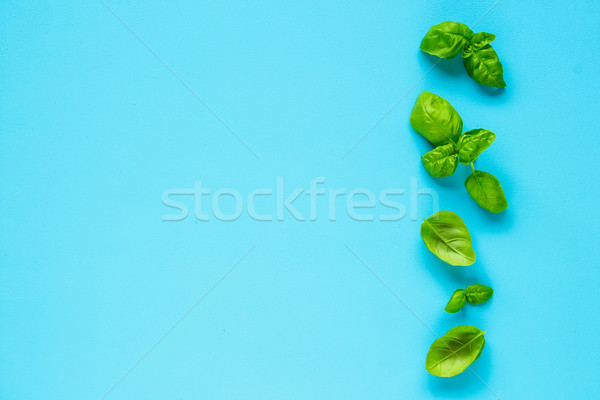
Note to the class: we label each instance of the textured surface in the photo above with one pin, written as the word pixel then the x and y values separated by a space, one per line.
pixel 93 129
pixel 446 235
pixel 487 191
pixel 452 353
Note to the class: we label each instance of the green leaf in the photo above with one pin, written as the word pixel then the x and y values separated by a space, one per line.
pixel 447 236
pixel 480 39
pixel 446 40
pixel 457 301
pixel 472 143
pixel 484 67
pixel 486 190
pixel 477 294
pixel 435 119
pixel 441 161
pixel 467 50
pixel 455 351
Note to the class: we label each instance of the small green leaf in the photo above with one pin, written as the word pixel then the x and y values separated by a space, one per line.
pixel 484 67
pixel 455 351
pixel 477 294
pixel 457 301
pixel 441 161
pixel 472 143
pixel 480 39
pixel 486 190
pixel 446 235
pixel 435 119
pixel 467 50
pixel 446 40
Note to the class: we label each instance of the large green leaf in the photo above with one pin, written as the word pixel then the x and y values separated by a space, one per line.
pixel 446 40
pixel 446 235
pixel 435 119
pixel 457 301
pixel 484 67
pixel 486 190
pixel 472 143
pixel 455 351
pixel 477 294
pixel 441 161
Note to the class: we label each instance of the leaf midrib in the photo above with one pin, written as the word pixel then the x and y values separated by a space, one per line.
pixel 444 240
pixel 457 350
pixel 438 125
pixel 487 201
pixel 441 32
pixel 490 73
pixel 445 158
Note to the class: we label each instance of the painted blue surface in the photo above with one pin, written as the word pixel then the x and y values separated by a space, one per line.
pixel 94 128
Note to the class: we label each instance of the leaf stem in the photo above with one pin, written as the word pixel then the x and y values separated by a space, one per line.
pixel 472 167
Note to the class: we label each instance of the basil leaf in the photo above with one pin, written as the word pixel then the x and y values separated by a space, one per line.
pixel 447 236
pixel 484 67
pixel 472 143
pixel 480 39
pixel 446 40
pixel 467 50
pixel 435 119
pixel 486 190
pixel 441 161
pixel 457 301
pixel 477 294
pixel 455 351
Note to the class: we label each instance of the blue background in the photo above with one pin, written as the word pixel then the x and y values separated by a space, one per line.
pixel 94 128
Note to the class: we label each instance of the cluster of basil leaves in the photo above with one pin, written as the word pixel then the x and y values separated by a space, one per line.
pixel 474 294
pixel 435 119
pixel 449 39
pixel 444 233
